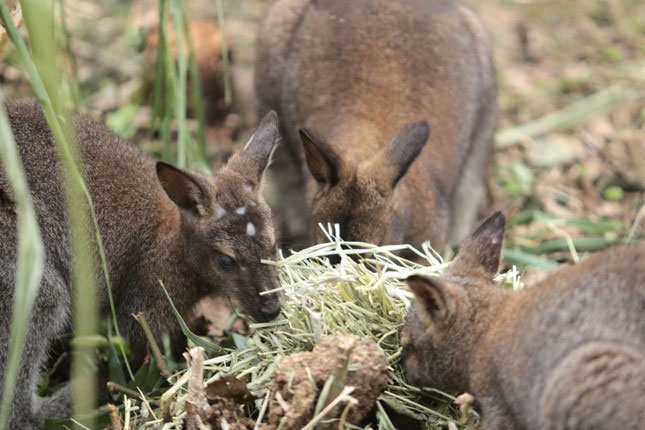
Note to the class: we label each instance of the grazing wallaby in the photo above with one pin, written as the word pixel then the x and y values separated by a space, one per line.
pixel 355 84
pixel 567 353
pixel 198 234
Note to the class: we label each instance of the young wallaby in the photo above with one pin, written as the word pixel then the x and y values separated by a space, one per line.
pixel 198 234
pixel 567 353
pixel 356 84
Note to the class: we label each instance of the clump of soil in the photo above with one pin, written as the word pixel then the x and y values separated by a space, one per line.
pixel 225 413
pixel 298 382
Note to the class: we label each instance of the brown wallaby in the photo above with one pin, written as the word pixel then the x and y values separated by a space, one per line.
pixel 198 234
pixel 355 84
pixel 567 353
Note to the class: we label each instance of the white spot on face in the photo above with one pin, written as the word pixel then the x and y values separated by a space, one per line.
pixel 241 210
pixel 248 188
pixel 219 212
pixel 250 229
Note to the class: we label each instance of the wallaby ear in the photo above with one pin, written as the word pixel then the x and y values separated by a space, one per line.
pixel 256 154
pixel 433 295
pixel 482 250
pixel 323 162
pixel 182 188
pixel 393 161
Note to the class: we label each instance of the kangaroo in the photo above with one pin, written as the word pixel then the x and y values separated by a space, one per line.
pixel 568 352
pixel 198 234
pixel 356 84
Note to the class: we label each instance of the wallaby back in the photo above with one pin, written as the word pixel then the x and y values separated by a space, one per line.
pixel 361 80
pixel 198 234
pixel 568 352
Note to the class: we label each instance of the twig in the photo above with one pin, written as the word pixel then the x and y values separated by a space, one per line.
pixel 113 387
pixel 635 225
pixel 115 417
pixel 345 395
pixel 196 403
pixel 154 348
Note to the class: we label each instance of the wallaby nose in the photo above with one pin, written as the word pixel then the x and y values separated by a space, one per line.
pixel 270 310
pixel 334 259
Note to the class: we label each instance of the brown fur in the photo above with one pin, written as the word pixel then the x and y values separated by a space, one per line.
pixel 157 223
pixel 568 352
pixel 353 75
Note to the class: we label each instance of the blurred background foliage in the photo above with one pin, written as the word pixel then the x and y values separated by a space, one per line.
pixel 570 166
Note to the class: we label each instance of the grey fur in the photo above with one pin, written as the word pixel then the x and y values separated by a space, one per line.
pixel 567 353
pixel 147 238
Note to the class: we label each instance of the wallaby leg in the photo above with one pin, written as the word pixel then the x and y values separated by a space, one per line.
pixel 59 404
pixel 493 417
pixel 598 386
pixel 291 200
pixel 48 319
pixel 470 190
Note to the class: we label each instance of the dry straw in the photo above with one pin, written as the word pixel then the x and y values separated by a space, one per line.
pixel 364 295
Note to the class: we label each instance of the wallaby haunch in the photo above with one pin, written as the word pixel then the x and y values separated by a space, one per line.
pixel 356 84
pixel 567 353
pixel 198 234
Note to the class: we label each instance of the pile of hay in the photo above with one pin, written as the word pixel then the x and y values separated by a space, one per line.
pixel 364 295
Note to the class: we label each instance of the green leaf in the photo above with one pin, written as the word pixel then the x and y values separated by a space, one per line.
pixel 197 340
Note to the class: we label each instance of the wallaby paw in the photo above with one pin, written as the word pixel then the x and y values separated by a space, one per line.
pixel 58 405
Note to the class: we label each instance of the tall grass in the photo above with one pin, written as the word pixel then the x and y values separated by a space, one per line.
pixel 30 258
pixel 55 93
pixel 171 86
pixel 41 65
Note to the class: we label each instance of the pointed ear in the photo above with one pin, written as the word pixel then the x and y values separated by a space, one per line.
pixel 256 154
pixel 393 161
pixel 182 188
pixel 322 160
pixel 482 250
pixel 435 297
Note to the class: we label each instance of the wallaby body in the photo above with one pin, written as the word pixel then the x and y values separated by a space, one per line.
pixel 353 75
pixel 568 352
pixel 198 234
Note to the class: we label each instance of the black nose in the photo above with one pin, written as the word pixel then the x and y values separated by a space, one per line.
pixel 270 310
pixel 334 259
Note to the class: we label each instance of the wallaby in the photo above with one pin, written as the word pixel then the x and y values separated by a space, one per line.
pixel 198 234
pixel 356 84
pixel 566 353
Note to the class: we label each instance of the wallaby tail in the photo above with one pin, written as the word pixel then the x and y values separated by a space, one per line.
pixel 600 385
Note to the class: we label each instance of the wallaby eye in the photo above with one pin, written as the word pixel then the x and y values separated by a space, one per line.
pixel 405 353
pixel 226 262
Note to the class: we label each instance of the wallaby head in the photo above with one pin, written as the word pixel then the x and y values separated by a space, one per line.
pixel 225 225
pixel 443 323
pixel 358 194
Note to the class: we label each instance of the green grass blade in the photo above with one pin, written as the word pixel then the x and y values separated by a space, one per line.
pixel 30 257
pixel 228 92
pixel 522 258
pixel 197 97
pixel 197 340
pixel 180 88
pixel 39 23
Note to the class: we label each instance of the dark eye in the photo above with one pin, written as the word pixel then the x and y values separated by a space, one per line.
pixel 405 353
pixel 226 262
